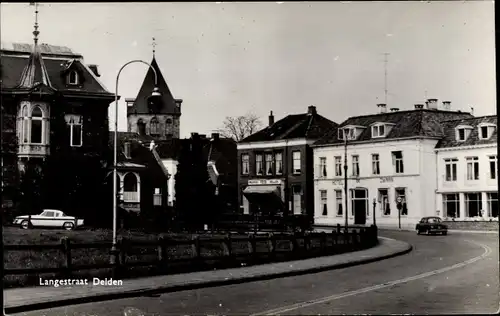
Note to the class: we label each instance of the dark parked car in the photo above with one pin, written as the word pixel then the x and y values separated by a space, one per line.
pixel 431 225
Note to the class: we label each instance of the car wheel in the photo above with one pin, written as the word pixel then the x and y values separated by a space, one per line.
pixel 68 226
pixel 25 225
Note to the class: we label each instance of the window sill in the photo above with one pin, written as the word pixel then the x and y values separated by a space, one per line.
pixel 340 216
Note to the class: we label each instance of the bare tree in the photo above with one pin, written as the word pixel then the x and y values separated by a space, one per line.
pixel 240 127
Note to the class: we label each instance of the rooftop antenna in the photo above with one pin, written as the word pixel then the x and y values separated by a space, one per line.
pixel 385 76
pixel 154 46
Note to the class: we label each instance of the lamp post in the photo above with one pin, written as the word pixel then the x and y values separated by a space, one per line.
pixel 345 177
pixel 155 93
pixel 374 209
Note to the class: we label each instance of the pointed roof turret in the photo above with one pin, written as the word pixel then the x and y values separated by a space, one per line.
pixel 167 103
pixel 34 72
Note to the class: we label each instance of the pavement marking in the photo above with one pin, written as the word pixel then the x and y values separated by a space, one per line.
pixel 285 309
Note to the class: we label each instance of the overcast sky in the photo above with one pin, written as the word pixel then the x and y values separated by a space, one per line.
pixel 233 58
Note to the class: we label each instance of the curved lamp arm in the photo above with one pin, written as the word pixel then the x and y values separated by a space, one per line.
pixel 116 144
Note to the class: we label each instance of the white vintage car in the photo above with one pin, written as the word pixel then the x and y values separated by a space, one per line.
pixel 48 218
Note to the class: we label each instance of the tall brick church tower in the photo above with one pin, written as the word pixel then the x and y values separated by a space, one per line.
pixel 161 121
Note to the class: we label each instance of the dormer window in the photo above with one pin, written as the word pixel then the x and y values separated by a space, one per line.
pixel 73 77
pixel 463 132
pixel 347 133
pixel 351 132
pixel 381 129
pixel 378 130
pixel 485 130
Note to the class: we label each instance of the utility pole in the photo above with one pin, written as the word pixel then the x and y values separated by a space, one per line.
pixel 385 76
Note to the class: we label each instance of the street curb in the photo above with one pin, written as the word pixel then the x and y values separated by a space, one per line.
pixel 203 284
pixel 473 231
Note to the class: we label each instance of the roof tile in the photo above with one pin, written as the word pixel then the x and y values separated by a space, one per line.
pixel 411 123
pixel 449 139
pixel 294 126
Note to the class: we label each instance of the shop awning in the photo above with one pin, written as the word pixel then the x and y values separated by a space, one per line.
pixel 267 196
pixel 261 189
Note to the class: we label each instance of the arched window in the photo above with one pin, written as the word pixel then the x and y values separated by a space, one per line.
pixel 25 124
pixel 73 78
pixel 36 125
pixel 141 127
pixel 154 128
pixel 130 183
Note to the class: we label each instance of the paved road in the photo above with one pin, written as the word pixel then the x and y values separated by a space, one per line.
pixel 458 273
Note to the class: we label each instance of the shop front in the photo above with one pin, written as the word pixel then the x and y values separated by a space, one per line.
pixel 264 197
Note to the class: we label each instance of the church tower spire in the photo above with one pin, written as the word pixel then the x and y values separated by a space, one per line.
pixel 161 121
pixel 35 72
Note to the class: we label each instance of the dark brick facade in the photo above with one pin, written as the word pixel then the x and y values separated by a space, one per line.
pixel 304 179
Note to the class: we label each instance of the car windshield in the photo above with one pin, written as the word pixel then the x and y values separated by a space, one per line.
pixel 434 220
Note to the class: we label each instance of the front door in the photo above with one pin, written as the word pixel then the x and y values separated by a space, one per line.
pixel 359 212
pixel 359 205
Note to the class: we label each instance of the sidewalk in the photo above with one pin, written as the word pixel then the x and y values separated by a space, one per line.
pixel 42 297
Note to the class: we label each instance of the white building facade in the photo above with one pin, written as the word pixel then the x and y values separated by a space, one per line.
pixel 171 166
pixel 391 164
pixel 467 174
pixel 375 174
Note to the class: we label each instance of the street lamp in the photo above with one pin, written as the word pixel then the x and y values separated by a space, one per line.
pixel 155 93
pixel 374 209
pixel 345 177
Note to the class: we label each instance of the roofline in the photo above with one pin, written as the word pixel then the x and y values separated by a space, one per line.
pixel 377 140
pixel 489 145
pixel 275 143
pixel 471 118
pixel 44 55
pixel 405 111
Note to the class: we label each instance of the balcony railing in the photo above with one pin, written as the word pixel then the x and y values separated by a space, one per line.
pixel 131 197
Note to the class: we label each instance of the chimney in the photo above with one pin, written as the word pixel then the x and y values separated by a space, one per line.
pixel 94 69
pixel 419 106
pixel 447 105
pixel 382 108
pixel 394 109
pixel 311 110
pixel 215 136
pixel 432 104
pixel 271 118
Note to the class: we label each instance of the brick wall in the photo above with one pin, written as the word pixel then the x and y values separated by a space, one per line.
pixel 471 225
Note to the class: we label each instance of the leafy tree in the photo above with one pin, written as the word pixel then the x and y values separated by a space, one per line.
pixel 240 127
